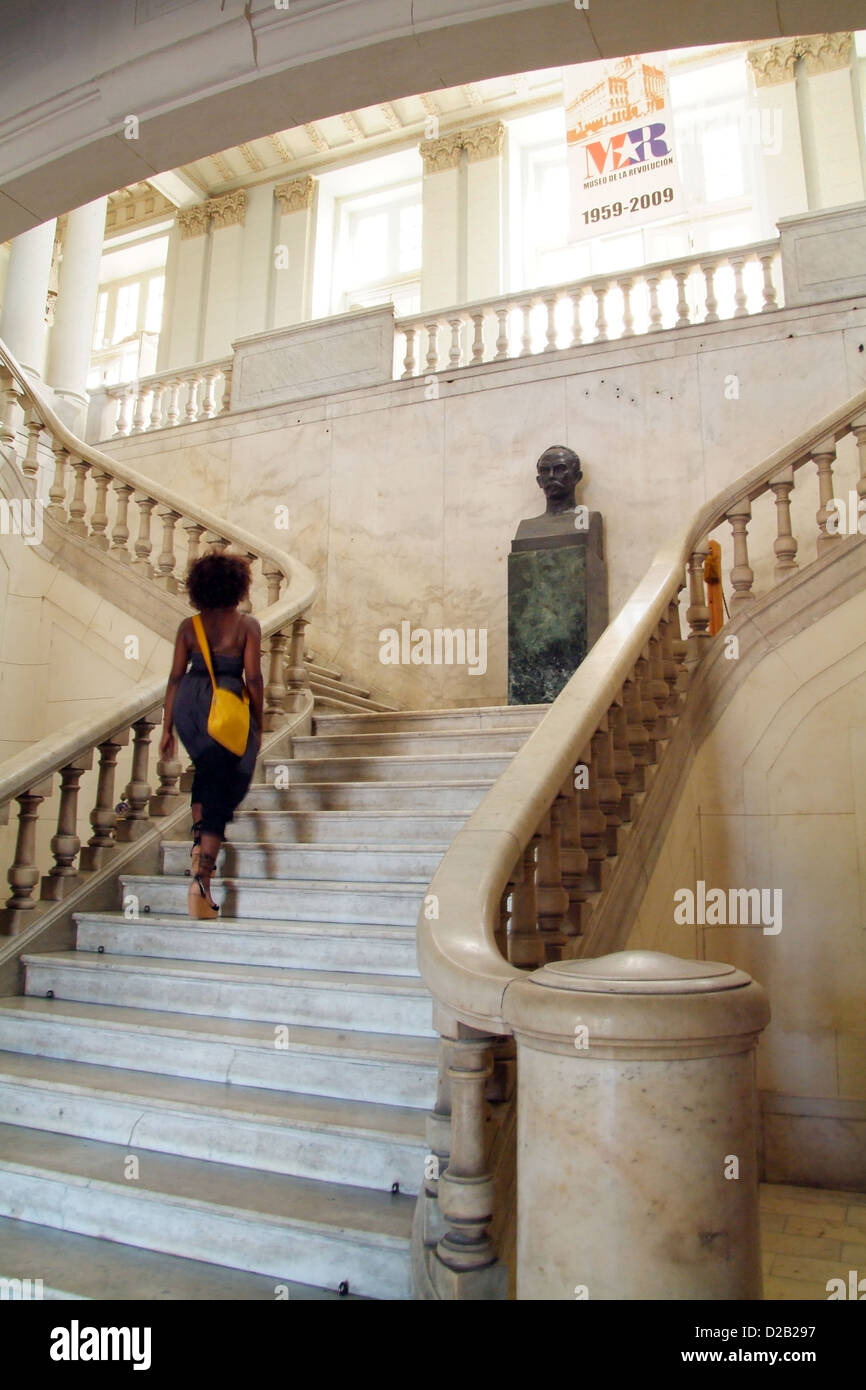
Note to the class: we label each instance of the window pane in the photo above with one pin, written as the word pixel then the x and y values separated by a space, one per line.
pixel 723 162
pixel 99 325
pixel 153 311
pixel 370 247
pixel 409 257
pixel 126 315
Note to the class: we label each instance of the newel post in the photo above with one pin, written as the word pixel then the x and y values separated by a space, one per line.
pixel 637 1129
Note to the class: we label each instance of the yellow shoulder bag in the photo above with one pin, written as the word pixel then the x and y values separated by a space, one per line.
pixel 229 720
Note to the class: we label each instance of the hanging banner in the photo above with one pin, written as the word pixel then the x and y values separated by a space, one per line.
pixel 622 163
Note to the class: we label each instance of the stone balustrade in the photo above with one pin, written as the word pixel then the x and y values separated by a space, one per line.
pixel 572 802
pixel 669 294
pixel 163 400
pixel 90 499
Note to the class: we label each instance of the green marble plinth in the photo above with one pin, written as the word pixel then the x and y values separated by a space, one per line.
pixel 557 608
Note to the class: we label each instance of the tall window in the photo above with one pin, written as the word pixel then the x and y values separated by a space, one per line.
pixel 378 255
pixel 129 309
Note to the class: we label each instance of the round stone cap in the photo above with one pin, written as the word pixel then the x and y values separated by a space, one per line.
pixel 640 972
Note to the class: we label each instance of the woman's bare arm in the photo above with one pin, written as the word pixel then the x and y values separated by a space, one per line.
pixel 178 667
pixel 253 669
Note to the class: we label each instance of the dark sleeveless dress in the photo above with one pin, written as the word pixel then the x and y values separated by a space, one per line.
pixel 221 779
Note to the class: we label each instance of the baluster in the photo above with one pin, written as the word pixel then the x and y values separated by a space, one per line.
pixel 57 491
pixel 274 580
pixel 766 259
pixel 742 309
pixel 785 545
pixel 34 427
pixel 65 844
pixel 438 1135
pixel 275 689
pixel 609 789
pixel 297 676
pixel 670 668
pixel 683 317
pixel 657 686
pixel 164 800
pixel 649 710
pixel 120 534
pixel 478 340
pixel 23 876
pixel 823 456
pixel 600 292
pixel 552 901
pixel 157 398
pixel 502 333
pixel 456 352
pixel 172 414
pixel 194 534
pixel 124 413
pixel 526 337
pixel 208 405
pixel 637 738
pixel 409 359
pixel 432 346
pixel 193 381
pixel 679 646
pixel 167 559
pixel 576 297
pixel 524 946
pixel 655 313
pixel 139 418
pixel 742 575
pixel 593 827
pixel 227 389
pixel 138 790
pixel 623 760
pixel 103 817
pixel 550 301
pixel 9 393
pixel 697 613
pixel 572 857
pixel 99 515
pixel 627 287
pixel 709 273
pixel 143 544
pixel 216 544
pixel 78 506
pixel 858 429
pixel 465 1257
pixel 246 604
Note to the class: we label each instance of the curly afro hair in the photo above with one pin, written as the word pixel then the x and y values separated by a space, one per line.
pixel 218 581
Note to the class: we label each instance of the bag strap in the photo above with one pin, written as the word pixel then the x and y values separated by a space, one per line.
pixel 203 644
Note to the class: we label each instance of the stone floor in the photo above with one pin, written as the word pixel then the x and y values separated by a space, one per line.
pixel 810 1235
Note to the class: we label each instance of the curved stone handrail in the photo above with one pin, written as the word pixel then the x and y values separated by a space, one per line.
pixel 459 959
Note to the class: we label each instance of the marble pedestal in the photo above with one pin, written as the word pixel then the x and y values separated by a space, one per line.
pixel 557 604
pixel 637 1123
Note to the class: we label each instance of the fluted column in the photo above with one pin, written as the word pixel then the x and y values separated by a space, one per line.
pixel 295 237
pixel 72 332
pixel 22 322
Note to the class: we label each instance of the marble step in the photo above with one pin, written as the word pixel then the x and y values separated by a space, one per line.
pixel 327 694
pixel 363 1003
pixel 471 742
pixel 85 1268
pixel 264 1223
pixel 459 796
pixel 388 1068
pixel 359 1143
pixel 412 721
pixel 296 945
pixel 369 863
pixel 390 768
pixel 432 828
pixel 307 900
pixel 321 668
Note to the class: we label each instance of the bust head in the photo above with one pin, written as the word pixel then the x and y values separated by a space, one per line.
pixel 558 473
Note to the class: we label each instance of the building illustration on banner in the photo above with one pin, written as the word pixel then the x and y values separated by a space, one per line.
pixel 619 127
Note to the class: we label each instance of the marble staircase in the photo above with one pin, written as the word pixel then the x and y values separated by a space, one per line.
pixel 236 1109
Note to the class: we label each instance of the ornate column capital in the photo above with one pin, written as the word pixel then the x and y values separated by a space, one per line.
pixel 229 210
pixel 483 141
pixel 296 195
pixel 774 63
pixel 826 52
pixel 442 153
pixel 193 221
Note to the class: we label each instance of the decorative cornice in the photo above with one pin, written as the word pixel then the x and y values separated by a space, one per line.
pixel 484 141
pixel 193 221
pixel 826 52
pixel 441 154
pixel 479 142
pixel 296 195
pixel 775 63
pixel 134 205
pixel 229 210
